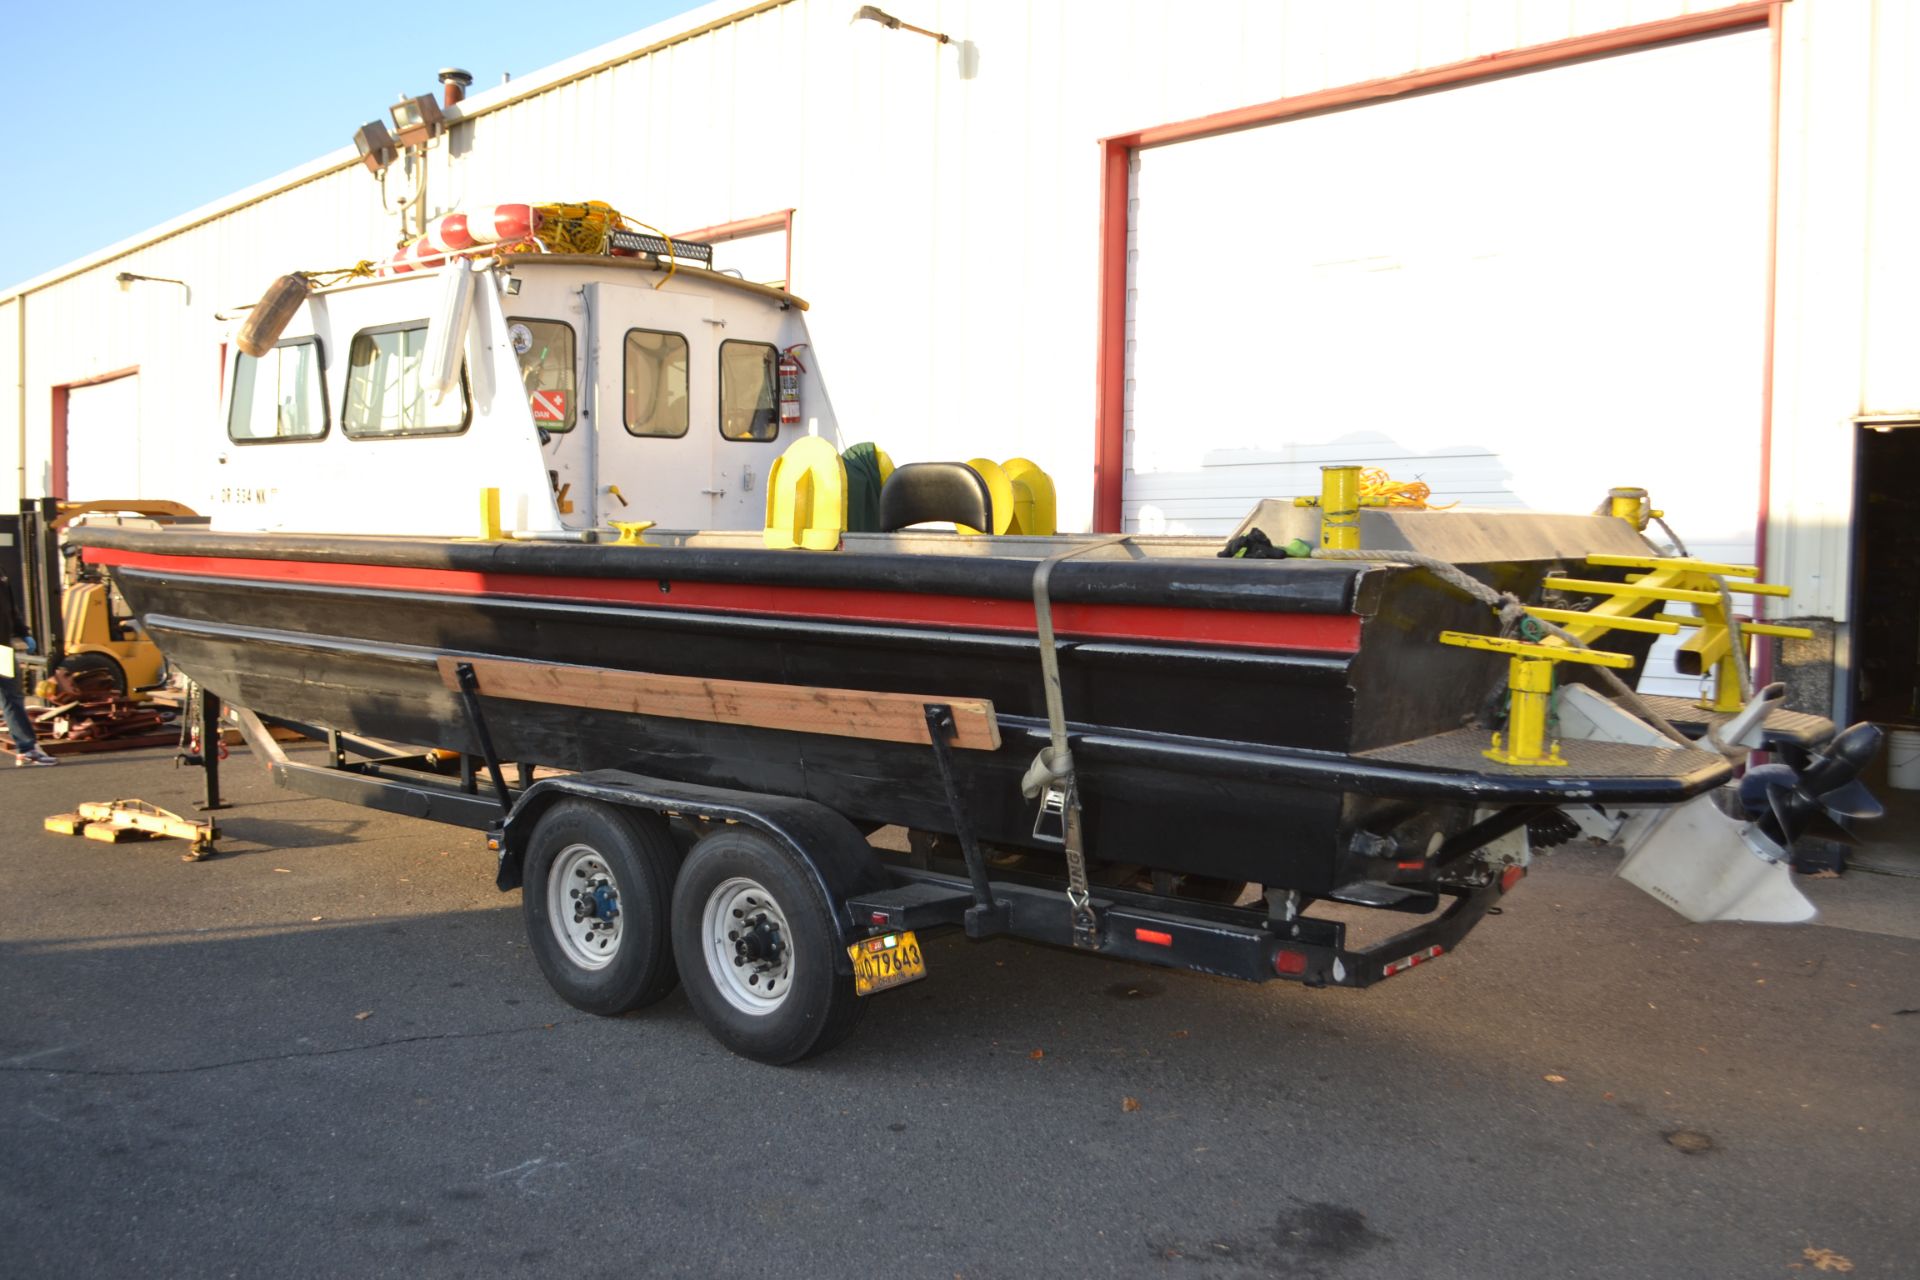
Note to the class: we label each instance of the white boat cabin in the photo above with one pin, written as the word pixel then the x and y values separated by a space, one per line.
pixel 590 390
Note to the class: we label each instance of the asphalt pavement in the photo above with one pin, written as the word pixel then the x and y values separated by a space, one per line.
pixel 328 1052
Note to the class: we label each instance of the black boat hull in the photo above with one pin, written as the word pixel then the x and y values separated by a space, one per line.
pixel 1218 710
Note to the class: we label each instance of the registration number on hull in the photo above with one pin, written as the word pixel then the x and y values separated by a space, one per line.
pixel 889 960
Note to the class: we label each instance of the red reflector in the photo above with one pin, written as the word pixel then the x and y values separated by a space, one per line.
pixel 1410 866
pixel 1511 877
pixel 1154 936
pixel 1290 963
pixel 879 918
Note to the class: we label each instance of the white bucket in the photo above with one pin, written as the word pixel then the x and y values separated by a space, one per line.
pixel 1903 759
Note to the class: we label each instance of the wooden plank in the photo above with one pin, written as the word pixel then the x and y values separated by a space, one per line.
pixel 842 713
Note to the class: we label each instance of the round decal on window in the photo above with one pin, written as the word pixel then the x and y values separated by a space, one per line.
pixel 522 339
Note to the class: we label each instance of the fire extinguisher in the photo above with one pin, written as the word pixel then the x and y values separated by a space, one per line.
pixel 790 369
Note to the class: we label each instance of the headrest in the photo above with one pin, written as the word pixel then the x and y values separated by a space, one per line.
pixel 928 492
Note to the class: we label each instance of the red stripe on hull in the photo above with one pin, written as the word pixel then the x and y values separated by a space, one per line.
pixel 1320 632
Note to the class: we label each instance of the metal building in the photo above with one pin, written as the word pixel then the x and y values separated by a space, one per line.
pixel 1180 255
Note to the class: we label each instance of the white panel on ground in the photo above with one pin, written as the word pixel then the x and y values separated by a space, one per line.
pixel 1522 291
pixel 103 440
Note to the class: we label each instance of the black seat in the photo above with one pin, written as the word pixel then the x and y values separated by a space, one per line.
pixel 924 492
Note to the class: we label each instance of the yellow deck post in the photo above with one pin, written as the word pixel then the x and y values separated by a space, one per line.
pixel 1340 507
pixel 1528 740
pixel 490 515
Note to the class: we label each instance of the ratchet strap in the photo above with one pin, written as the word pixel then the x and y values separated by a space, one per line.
pixel 1050 777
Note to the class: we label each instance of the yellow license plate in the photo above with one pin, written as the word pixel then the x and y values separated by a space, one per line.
pixel 886 961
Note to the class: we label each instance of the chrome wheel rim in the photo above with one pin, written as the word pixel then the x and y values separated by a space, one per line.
pixel 583 907
pixel 749 947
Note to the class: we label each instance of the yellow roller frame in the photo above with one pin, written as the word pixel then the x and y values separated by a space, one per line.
pixel 1000 487
pixel 1035 511
pixel 807 497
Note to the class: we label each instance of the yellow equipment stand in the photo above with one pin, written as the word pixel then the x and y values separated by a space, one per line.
pixel 118 821
pixel 1530 692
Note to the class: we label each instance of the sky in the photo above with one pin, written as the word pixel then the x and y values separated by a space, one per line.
pixel 123 115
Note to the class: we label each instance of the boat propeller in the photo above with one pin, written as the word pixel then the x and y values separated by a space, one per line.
pixel 1788 802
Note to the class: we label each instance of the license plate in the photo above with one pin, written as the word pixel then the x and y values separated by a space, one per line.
pixel 886 961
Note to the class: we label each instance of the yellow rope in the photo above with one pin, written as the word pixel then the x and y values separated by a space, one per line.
pixel 580 228
pixel 577 228
pixel 583 228
pixel 1376 483
pixel 327 279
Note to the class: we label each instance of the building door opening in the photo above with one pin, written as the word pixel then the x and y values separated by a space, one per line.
pixel 1884 677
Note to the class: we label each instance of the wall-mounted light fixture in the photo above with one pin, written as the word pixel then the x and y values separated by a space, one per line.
pixel 375 145
pixel 127 279
pixel 873 13
pixel 417 120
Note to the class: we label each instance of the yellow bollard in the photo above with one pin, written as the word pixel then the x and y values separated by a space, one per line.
pixel 1340 507
pixel 1630 505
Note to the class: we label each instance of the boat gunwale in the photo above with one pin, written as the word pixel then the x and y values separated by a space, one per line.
pixel 1199 583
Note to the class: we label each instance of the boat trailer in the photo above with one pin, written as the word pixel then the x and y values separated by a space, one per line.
pixel 1273 941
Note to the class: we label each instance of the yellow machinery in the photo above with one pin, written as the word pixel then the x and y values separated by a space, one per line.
pixel 93 636
pixel 98 640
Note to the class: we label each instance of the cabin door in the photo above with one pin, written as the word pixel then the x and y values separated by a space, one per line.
pixel 656 396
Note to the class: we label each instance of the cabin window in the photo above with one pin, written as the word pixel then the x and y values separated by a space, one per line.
pixel 280 396
pixel 656 383
pixel 545 348
pixel 747 409
pixel 386 387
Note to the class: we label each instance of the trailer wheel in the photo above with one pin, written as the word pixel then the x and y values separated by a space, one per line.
pixel 756 941
pixel 597 885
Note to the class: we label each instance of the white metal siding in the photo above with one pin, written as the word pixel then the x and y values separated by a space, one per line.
pixel 947 226
pixel 1522 291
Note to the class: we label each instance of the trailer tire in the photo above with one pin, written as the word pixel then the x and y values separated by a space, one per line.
pixel 623 860
pixel 736 876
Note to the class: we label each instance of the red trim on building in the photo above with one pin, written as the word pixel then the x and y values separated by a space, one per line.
pixel 1763 665
pixel 1110 389
pixel 1319 632
pixel 1117 153
pixel 57 448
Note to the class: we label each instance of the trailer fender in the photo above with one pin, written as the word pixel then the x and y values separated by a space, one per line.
pixel 840 861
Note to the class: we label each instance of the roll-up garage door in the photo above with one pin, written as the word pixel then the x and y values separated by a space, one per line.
pixel 103 440
pixel 1521 290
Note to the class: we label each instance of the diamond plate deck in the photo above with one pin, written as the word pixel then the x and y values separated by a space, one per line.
pixel 1459 751
pixel 1782 726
